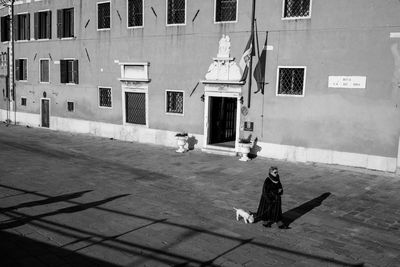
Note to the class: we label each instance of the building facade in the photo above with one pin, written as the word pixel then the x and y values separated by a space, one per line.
pixel 143 70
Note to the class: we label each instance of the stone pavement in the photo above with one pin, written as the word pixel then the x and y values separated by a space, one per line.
pixel 77 200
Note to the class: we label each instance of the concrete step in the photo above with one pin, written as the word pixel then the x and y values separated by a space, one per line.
pixel 220 151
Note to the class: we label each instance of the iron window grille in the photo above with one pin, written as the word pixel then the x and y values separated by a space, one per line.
pixel 105 97
pixel 174 102
pixel 5 26
pixel 291 81
pixel 22 27
pixel 297 8
pixel 135 13
pixel 44 70
pixel 65 23
pixel 176 12
pixel 69 71
pixel 70 106
pixel 135 108
pixel 225 10
pixel 23 101
pixel 42 25
pixel 21 69
pixel 103 16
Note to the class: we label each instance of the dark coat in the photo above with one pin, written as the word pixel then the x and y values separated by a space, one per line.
pixel 270 207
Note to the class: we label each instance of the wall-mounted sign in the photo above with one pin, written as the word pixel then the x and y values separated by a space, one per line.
pixel 347 82
pixel 248 126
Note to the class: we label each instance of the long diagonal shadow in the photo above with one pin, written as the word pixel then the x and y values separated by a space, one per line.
pixel 46 201
pixel 295 213
pixel 48 225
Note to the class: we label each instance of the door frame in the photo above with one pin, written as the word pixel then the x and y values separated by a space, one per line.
pixel 207 96
pixel 41 102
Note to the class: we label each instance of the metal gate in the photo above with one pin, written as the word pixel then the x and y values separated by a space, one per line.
pixel 45 113
pixel 135 108
pixel 222 119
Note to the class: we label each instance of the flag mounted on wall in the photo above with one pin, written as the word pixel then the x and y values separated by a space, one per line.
pixel 245 59
pixel 259 70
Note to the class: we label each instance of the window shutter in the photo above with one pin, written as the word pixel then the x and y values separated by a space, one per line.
pixel 3 26
pixel 17 78
pixel 72 23
pixel 28 26
pixel 76 72
pixel 48 25
pixel 36 25
pixel 63 71
pixel 60 32
pixel 16 28
pixel 25 69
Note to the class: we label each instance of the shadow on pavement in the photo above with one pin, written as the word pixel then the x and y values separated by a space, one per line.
pixel 295 213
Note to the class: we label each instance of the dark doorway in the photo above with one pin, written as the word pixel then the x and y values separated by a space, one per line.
pixel 45 113
pixel 222 121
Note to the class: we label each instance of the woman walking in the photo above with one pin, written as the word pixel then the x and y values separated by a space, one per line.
pixel 270 207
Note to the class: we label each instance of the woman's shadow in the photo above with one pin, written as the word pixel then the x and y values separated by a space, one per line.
pixel 295 213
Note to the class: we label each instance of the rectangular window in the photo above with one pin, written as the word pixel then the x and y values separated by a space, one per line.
pixel 135 13
pixel 22 27
pixel 21 69
pixel 70 106
pixel 65 23
pixel 44 70
pixel 69 71
pixel 23 101
pixel 176 12
pixel 297 8
pixel 135 108
pixel 225 10
pixel 174 102
pixel 5 29
pixel 42 23
pixel 105 97
pixel 291 81
pixel 103 16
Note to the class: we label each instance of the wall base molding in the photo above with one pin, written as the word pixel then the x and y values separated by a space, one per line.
pixel 167 138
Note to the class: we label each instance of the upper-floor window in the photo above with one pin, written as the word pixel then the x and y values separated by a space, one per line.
pixel 5 28
pixel 176 12
pixel 69 71
pixel 22 27
pixel 42 22
pixel 65 23
pixel 291 81
pixel 21 69
pixel 297 8
pixel 44 66
pixel 104 15
pixel 135 13
pixel 225 10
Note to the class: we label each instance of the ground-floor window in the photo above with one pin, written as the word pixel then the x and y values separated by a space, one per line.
pixel 291 81
pixel 174 102
pixel 44 70
pixel 135 108
pixel 105 99
pixel 70 106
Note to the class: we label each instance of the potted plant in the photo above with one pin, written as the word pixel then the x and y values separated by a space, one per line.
pixel 181 139
pixel 245 144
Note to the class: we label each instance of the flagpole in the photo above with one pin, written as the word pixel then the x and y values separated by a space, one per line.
pixel 253 11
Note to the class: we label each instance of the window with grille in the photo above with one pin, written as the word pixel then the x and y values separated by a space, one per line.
pixel 174 102
pixel 23 101
pixel 21 69
pixel 44 66
pixel 297 9
pixel 22 26
pixel 42 25
pixel 70 106
pixel 69 71
pixel 103 16
pixel 291 81
pixel 5 26
pixel 225 10
pixel 135 108
pixel 65 23
pixel 176 12
pixel 105 97
pixel 135 13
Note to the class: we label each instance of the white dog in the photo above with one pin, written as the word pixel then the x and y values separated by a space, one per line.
pixel 247 218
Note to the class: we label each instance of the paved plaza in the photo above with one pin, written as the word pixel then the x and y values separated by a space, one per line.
pixel 78 200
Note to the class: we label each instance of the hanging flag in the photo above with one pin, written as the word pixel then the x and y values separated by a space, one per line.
pixel 245 59
pixel 259 70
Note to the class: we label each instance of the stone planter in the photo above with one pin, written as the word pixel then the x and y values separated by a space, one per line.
pixel 181 142
pixel 244 149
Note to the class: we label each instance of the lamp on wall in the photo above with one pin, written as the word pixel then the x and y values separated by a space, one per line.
pixel 202 98
pixel 241 100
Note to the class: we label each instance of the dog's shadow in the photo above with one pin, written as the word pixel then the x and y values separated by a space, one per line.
pixel 295 213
